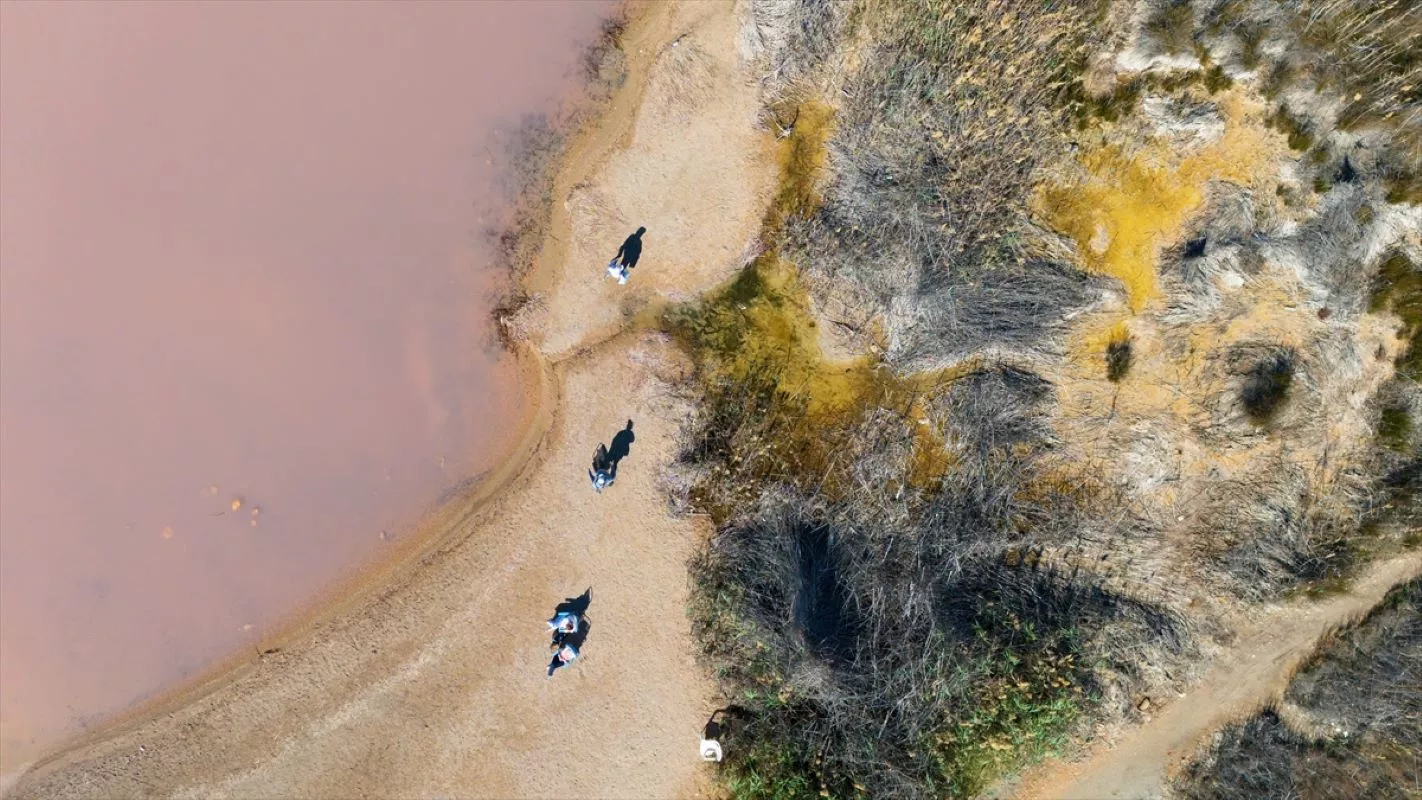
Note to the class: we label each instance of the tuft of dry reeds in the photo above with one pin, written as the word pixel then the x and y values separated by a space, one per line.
pixel 941 121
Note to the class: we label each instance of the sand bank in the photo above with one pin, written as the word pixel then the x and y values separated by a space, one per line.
pixel 425 676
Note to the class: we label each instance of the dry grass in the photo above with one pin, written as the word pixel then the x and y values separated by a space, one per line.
pixel 943 112
pixel 1348 725
pixel 1363 56
pixel 935 561
pixel 899 593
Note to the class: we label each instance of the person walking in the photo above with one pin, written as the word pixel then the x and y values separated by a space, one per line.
pixel 627 256
pixel 569 627
pixel 563 625
pixel 562 658
pixel 604 469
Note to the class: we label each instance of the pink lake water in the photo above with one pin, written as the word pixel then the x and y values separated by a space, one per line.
pixel 240 262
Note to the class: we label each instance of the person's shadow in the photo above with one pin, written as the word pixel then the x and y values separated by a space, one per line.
pixel 621 446
pixel 576 605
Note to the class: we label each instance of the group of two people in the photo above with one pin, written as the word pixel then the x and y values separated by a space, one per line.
pixel 565 626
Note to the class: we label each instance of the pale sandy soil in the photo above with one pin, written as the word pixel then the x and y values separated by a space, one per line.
pixel 1252 671
pixel 429 681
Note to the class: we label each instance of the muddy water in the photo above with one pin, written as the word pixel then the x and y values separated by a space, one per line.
pixel 242 315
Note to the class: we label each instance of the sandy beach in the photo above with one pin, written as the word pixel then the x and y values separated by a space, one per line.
pixel 425 677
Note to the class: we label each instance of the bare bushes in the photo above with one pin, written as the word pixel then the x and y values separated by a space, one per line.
pixel 940 125
pixel 1265 535
pixel 895 633
pixel 1352 720
pixel 796 40
pixel 1020 307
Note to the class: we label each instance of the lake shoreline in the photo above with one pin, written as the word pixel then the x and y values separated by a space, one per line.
pixel 425 563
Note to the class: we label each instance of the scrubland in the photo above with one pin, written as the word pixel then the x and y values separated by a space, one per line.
pixel 1077 330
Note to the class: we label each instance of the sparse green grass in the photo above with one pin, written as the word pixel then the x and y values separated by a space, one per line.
pixel 1398 289
pixel 1395 427
pixel 1300 138
pixel 1125 96
pixel 1366 54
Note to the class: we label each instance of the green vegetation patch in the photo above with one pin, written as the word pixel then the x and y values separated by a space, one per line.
pixel 1395 427
pixel 1398 289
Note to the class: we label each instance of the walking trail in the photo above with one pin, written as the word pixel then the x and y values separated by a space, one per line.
pixel 428 680
pixel 1253 670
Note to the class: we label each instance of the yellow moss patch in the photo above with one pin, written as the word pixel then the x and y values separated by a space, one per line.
pixel 801 157
pixel 1128 204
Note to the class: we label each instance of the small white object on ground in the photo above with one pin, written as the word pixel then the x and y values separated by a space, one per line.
pixel 710 750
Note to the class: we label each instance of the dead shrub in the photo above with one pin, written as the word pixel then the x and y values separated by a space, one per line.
pixel 940 127
pixel 882 632
pixel 1171 24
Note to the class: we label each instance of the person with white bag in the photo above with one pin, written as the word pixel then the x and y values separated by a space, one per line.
pixel 627 255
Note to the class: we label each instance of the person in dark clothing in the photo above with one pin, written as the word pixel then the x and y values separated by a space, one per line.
pixel 631 249
pixel 604 469
pixel 570 627
pixel 565 656
pixel 626 258
pixel 564 625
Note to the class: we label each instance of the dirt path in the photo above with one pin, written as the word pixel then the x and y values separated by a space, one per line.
pixel 432 684
pixel 1255 669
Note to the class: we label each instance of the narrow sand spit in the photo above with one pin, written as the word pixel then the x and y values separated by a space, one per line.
pixel 429 681
pixel 1253 670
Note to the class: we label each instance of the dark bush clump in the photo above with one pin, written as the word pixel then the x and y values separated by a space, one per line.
pixel 1172 25
pixel 1118 359
pixel 1395 427
pixel 1398 289
pixel 1266 385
